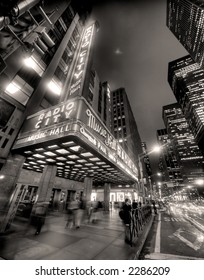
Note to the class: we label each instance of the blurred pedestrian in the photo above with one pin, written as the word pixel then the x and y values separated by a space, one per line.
pixel 127 218
pixel 79 213
pixel 98 211
pixel 134 204
pixel 154 207
pixel 73 205
pixel 40 215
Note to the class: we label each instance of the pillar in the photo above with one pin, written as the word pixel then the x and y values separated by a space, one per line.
pixel 88 182
pixel 9 177
pixel 107 188
pixel 47 182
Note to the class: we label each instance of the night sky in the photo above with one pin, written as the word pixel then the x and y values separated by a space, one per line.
pixel 133 48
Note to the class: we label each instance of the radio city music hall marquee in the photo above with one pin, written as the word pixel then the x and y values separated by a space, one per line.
pixel 74 118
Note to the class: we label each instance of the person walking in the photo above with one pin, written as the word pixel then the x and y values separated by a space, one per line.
pixel 40 215
pixel 127 218
pixel 154 207
pixel 72 206
pixel 78 213
pixel 134 204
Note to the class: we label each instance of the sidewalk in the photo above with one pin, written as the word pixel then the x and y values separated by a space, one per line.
pixel 101 241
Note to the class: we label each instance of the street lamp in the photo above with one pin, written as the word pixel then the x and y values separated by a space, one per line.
pixel 159 187
pixel 189 191
pixel 140 157
pixel 199 183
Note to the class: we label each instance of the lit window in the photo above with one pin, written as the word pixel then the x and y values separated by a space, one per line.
pixel 32 62
pixel 12 88
pixel 54 87
pixel 19 90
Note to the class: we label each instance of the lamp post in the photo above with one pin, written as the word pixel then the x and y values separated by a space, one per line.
pixel 159 187
pixel 199 183
pixel 141 177
pixel 151 188
pixel 140 157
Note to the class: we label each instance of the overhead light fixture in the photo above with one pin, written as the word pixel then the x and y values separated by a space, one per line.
pixel 75 148
pixel 61 158
pixel 49 154
pixel 54 87
pixel 50 160
pixel 12 88
pixel 53 147
pixel 62 151
pixel 38 156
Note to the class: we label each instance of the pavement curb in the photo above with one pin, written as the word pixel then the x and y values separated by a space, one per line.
pixel 143 236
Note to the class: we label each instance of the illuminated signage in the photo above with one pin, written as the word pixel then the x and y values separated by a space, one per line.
pixel 46 134
pixel 109 140
pixel 72 118
pixel 81 62
pixel 51 117
pixel 99 128
pixel 128 166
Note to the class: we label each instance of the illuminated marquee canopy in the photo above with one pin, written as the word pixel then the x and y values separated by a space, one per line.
pixel 93 150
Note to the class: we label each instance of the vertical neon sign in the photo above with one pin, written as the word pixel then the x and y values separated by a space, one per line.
pixel 81 63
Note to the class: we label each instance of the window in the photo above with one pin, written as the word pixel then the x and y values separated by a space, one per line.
pixel 11 131
pixel 4 143
pixel 90 96
pixel 63 24
pixel 33 62
pixel 92 76
pixel 19 90
pixel 60 74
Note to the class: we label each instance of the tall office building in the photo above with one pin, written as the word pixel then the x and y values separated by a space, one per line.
pixel 186 79
pixel 188 155
pixel 123 123
pixel 55 138
pixel 185 18
pixel 125 129
pixel 168 163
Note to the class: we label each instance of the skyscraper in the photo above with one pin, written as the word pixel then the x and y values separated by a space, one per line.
pixel 124 125
pixel 125 129
pixel 185 18
pixel 186 79
pixel 168 163
pixel 188 155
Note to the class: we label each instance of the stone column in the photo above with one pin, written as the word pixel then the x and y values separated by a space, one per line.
pixel 107 188
pixel 87 188
pixel 47 182
pixel 9 177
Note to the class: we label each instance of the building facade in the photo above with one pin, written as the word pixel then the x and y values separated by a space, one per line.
pixel 189 158
pixel 168 164
pixel 185 19
pixel 186 80
pixel 125 130
pixel 55 138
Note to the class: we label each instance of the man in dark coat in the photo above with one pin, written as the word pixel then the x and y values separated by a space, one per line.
pixel 127 218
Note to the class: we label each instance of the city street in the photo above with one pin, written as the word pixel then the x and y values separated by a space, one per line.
pixel 177 233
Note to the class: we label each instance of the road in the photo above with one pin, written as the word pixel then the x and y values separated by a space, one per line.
pixel 177 233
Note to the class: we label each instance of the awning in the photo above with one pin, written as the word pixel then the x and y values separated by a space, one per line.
pixel 74 138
